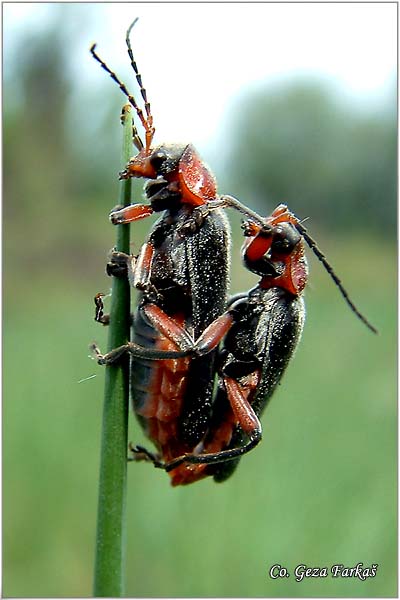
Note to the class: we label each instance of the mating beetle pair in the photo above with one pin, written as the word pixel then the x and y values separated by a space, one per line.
pixel 185 333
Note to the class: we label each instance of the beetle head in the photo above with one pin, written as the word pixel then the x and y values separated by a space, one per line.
pixel 276 252
pixel 162 161
pixel 180 167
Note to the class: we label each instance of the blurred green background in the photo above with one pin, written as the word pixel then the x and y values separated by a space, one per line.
pixel 321 488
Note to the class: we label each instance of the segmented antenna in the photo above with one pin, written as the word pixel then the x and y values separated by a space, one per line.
pixel 313 245
pixel 147 121
pixel 138 75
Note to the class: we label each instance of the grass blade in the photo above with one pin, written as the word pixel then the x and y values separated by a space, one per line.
pixel 111 518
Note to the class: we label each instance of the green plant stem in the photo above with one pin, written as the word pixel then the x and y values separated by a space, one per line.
pixel 111 517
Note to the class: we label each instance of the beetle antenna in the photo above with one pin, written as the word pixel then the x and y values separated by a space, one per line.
pixel 149 121
pixel 137 74
pixel 313 245
pixel 125 91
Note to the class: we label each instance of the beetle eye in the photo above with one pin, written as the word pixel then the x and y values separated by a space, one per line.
pixel 157 159
pixel 286 237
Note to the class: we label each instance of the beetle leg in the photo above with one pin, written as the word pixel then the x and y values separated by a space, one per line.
pixel 131 213
pixel 213 334
pixel 232 202
pixel 246 418
pixel 195 221
pixel 176 334
pixel 208 340
pixel 243 411
pixel 120 264
pixel 227 201
pixel 115 355
pixel 141 453
pixel 99 316
pixel 110 358
pixel 169 328
pixel 116 267
pixel 140 275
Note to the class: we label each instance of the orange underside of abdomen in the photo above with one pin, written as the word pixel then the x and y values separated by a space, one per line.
pixel 164 401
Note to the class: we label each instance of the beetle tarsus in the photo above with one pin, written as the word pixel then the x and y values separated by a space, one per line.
pixel 194 223
pixel 141 453
pixel 150 293
pixel 118 264
pixel 99 316
pixel 111 358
